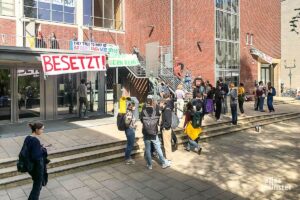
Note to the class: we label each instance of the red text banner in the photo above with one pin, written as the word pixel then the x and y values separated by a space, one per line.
pixel 54 64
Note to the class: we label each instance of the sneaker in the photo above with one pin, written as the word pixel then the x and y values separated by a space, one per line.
pixel 149 167
pixel 129 162
pixel 219 120
pixel 187 149
pixel 85 117
pixel 166 165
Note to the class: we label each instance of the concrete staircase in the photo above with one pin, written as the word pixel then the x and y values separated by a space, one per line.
pixel 88 156
pixel 211 131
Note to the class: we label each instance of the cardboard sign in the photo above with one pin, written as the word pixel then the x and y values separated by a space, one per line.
pixel 54 64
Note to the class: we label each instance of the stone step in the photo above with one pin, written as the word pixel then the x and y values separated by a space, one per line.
pixel 24 178
pixel 65 160
pixel 4 163
pixel 182 138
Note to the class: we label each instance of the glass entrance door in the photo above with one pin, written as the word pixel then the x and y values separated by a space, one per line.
pixel 28 93
pixel 265 73
pixel 5 95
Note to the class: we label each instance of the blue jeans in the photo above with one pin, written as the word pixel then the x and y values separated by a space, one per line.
pixel 157 146
pixel 233 113
pixel 270 103
pixel 261 103
pixel 192 144
pixel 130 135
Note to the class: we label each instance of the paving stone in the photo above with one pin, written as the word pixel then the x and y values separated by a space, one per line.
pixel 177 184
pixel 120 176
pixel 156 185
pixel 72 183
pixel 61 193
pixel 45 193
pixel 135 184
pixel 4 197
pixel 101 176
pixel 83 193
pixel 129 193
pixel 198 185
pixel 151 194
pixel 140 176
pixel 92 184
pixel 106 194
pixel 15 193
pixel 174 194
pixel 113 184
pixel 53 183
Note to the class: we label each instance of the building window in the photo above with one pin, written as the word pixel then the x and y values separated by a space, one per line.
pixel 51 10
pixel 227 40
pixel 103 13
pixel 247 38
pixel 251 39
pixel 7 7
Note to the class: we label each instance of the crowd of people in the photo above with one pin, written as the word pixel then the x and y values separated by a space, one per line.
pixel 157 114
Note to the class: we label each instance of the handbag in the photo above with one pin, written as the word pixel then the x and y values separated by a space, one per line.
pixel 192 132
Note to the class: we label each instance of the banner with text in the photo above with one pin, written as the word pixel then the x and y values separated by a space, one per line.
pixel 123 60
pixel 104 48
pixel 54 64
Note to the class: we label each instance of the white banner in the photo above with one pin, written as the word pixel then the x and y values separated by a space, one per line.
pixel 123 60
pixel 69 3
pixel 110 49
pixel 54 64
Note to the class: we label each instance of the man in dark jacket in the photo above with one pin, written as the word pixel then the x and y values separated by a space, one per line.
pixel 150 137
pixel 165 125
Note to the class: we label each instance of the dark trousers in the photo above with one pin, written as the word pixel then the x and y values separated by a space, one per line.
pixel 270 103
pixel 82 100
pixel 37 177
pixel 218 109
pixel 130 135
pixel 234 114
pixel 241 106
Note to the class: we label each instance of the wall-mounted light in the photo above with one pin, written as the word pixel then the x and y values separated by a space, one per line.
pixel 199 46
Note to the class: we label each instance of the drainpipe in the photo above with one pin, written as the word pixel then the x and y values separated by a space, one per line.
pixel 172 33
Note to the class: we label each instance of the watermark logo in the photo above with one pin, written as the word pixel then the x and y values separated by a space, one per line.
pixel 277 184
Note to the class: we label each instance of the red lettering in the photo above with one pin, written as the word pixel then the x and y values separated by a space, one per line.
pixel 47 63
pixel 55 63
pixel 81 58
pixel 72 63
pixel 90 61
pixel 97 61
pixel 66 62
pixel 103 61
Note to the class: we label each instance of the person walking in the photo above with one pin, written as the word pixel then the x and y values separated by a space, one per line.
pixel 180 96
pixel 271 93
pixel 218 101
pixel 233 103
pixel 241 98
pixel 82 92
pixel 150 120
pixel 38 158
pixel 165 126
pixel 225 91
pixel 130 123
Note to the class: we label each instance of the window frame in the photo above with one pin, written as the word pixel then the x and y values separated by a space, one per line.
pixel 13 8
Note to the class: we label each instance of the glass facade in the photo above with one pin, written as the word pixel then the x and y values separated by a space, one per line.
pixel 5 95
pixel 51 10
pixel 227 40
pixel 103 13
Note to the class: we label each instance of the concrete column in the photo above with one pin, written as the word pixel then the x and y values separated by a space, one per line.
pixel 14 95
pixel 101 92
pixel 19 10
pixel 79 19
pixel 49 91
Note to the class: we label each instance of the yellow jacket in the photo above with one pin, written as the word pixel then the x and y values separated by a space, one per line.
pixel 241 91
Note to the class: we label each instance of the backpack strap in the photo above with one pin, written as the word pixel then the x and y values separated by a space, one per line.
pixel 145 113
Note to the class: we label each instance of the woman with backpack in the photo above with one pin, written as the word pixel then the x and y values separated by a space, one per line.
pixel 38 157
pixel 130 133
pixel 193 118
pixel 271 93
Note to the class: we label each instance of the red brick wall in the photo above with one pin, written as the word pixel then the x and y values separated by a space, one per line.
pixel 264 22
pixel 195 22
pixel 141 14
pixel 105 36
pixel 8 27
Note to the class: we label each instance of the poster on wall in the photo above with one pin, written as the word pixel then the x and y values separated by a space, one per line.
pixel 93 46
pixel 54 64
pixel 121 60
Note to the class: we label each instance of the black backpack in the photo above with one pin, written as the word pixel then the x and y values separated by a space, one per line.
pixel 197 119
pixel 24 164
pixel 150 122
pixel 121 122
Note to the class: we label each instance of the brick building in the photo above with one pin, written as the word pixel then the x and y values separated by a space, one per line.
pixel 238 40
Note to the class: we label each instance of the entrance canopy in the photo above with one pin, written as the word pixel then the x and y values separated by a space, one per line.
pixel 261 55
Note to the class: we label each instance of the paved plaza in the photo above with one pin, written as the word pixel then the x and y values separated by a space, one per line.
pixel 244 165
